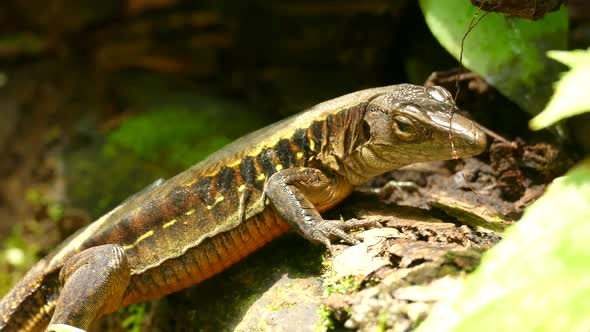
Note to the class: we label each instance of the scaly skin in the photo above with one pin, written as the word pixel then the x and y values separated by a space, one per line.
pixel 191 227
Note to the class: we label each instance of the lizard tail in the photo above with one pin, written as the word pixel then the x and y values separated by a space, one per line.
pixel 28 306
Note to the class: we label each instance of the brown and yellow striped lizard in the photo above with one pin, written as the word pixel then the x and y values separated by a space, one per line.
pixel 182 231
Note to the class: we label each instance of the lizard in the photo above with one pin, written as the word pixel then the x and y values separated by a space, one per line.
pixel 179 232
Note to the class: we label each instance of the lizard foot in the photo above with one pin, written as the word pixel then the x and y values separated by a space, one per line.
pixel 329 231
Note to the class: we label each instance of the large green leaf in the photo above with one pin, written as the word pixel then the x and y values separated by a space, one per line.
pixel 509 52
pixel 569 99
pixel 538 277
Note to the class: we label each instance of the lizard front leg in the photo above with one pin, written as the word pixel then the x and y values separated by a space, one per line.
pixel 299 194
pixel 94 282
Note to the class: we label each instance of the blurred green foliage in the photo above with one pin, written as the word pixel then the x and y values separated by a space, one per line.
pixel 21 44
pixel 136 314
pixel 175 137
pixel 16 257
pixel 508 52
pixel 569 99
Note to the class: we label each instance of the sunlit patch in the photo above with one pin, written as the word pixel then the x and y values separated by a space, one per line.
pixel 64 328
pixel 15 256
pixel 439 94
pixel 279 167
pixel 311 144
pixel 188 213
pixel 299 155
pixel 261 177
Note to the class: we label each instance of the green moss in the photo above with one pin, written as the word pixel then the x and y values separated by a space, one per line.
pixel 176 137
pixel 383 319
pixel 373 281
pixel 346 285
pixel 282 305
pixel 326 322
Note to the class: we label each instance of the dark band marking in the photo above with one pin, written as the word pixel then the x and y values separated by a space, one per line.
pixel 122 230
pixel 213 257
pixel 202 261
pixel 179 198
pixel 230 247
pixel 332 122
pixel 225 178
pixel 203 189
pixel 168 274
pixel 221 251
pixel 158 281
pixel 266 162
pixel 192 267
pixel 300 140
pixel 316 135
pixel 286 155
pixel 181 270
pixel 249 173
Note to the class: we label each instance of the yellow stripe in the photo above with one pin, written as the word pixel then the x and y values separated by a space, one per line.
pixel 170 223
pixel 217 200
pixel 139 239
pixel 235 163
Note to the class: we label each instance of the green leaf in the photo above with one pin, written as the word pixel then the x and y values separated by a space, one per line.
pixel 569 98
pixel 538 277
pixel 508 52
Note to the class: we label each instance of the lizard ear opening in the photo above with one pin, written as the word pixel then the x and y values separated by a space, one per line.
pixel 364 134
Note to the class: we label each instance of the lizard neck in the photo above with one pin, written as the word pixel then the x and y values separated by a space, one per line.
pixel 364 163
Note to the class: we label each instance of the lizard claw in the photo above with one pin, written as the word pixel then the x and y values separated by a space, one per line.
pixel 332 230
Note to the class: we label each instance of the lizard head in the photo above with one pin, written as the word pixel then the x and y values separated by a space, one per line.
pixel 414 124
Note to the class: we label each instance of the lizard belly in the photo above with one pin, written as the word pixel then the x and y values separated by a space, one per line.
pixel 210 257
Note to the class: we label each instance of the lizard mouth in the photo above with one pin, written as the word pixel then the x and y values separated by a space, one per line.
pixel 465 136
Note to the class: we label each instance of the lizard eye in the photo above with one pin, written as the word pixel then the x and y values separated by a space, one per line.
pixel 405 129
pixel 439 93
